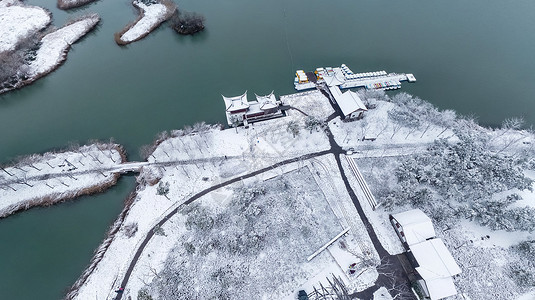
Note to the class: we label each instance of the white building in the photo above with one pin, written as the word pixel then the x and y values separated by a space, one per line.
pixel 349 102
pixel 429 256
pixel 436 268
pixel 413 227
pixel 240 111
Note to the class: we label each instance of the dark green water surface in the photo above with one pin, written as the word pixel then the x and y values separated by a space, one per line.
pixel 472 56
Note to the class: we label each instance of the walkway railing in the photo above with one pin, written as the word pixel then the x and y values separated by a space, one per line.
pixel 363 185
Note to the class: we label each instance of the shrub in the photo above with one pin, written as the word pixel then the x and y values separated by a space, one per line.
pixel 143 294
pixel 162 189
pixel 187 23
pixel 130 230
pixel 312 123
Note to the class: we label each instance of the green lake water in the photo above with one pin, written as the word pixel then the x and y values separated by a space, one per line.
pixel 472 56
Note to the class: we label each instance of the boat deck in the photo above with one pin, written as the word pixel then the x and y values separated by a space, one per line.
pixel 345 79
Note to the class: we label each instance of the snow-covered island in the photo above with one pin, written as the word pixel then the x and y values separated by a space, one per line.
pixel 279 207
pixel 41 180
pixel 152 13
pixel 68 4
pixel 26 52
pixel 55 45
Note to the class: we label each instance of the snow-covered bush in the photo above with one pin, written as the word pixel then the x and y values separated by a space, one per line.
pixel 526 248
pixel 143 294
pixel 293 128
pixel 313 123
pixel 523 273
pixel 163 188
pixel 458 178
pixel 150 175
pixel 199 218
pixel 130 229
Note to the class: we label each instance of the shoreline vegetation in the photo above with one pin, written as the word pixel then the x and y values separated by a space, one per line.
pixel 69 4
pixel 152 14
pixel 98 254
pixel 53 177
pixel 33 51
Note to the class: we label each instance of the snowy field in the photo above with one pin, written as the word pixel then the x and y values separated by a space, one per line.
pixel 52 177
pixel 55 45
pixel 26 52
pixel 407 149
pixel 189 161
pixel 18 22
pixel 313 103
pixel 256 243
pixel 489 229
pixel 278 220
pixel 151 17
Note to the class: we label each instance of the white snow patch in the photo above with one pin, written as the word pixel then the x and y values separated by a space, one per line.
pixel 153 15
pixel 18 22
pixel 382 294
pixel 527 296
pixel 389 139
pixel 484 237
pixel 56 44
pixel 56 176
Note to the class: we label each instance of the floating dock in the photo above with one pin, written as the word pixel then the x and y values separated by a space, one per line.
pixel 345 78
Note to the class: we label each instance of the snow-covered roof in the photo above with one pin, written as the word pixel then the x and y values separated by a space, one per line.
pixel 349 102
pixel 267 101
pixel 416 225
pixel 236 103
pixel 436 266
pixel 336 79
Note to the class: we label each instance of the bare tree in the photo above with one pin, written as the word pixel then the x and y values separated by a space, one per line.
pixel 293 128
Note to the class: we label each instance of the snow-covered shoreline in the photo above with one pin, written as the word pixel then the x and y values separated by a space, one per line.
pixel 69 4
pixel 208 164
pixel 53 47
pixel 150 17
pixel 42 180
pixel 18 21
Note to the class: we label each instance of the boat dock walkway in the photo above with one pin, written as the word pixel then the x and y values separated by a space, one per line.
pixel 345 79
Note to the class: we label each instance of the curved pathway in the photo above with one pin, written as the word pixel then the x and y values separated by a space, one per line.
pixel 151 232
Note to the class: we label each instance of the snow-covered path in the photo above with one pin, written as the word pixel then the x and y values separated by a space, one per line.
pixel 52 177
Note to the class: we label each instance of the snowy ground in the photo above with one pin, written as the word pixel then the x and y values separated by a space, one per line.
pixel 315 271
pixel 55 45
pixel 313 103
pixel 18 22
pixel 191 161
pixel 377 125
pixel 187 161
pixel 151 17
pixel 484 255
pixel 196 158
pixel 51 177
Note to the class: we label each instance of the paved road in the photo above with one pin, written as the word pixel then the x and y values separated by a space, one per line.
pixel 391 272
